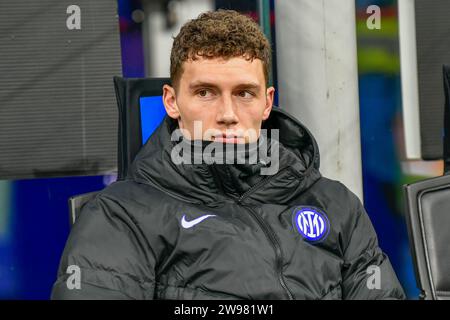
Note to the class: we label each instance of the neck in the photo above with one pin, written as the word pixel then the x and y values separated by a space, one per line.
pixel 234 167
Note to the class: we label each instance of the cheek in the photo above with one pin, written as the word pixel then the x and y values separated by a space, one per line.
pixel 255 113
pixel 251 118
pixel 192 111
pixel 188 108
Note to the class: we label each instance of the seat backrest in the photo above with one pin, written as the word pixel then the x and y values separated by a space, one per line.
pixel 428 219
pixel 130 94
pixel 76 204
pixel 138 117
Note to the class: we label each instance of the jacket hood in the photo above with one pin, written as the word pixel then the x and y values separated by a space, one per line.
pixel 297 162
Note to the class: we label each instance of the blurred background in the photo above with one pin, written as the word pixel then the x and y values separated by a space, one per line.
pixel 34 220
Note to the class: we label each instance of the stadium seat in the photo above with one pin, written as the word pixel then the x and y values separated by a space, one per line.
pixel 428 220
pixel 130 127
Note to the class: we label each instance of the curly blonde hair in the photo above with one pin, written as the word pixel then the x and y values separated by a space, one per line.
pixel 219 34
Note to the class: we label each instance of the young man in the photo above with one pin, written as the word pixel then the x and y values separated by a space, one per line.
pixel 181 228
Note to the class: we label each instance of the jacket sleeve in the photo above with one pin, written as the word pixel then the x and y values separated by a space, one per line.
pixel 367 272
pixel 105 257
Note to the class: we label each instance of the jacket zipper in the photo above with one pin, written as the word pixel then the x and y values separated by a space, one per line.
pixel 270 234
pixel 260 184
pixel 268 231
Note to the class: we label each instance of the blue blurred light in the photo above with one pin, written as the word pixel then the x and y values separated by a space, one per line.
pixel 152 114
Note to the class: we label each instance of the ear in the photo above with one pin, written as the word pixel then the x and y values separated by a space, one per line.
pixel 170 102
pixel 270 93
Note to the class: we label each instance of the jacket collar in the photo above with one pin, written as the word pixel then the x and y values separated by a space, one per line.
pixel 211 184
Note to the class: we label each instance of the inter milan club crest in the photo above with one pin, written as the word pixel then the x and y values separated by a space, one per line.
pixel 312 223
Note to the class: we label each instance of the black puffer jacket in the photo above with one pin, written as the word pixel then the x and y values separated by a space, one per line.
pixel 225 232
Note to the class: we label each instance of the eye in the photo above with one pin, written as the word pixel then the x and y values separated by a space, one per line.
pixel 245 94
pixel 204 93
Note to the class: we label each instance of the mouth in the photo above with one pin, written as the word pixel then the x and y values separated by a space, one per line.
pixel 229 138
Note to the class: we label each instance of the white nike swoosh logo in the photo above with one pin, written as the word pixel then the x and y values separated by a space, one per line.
pixel 189 224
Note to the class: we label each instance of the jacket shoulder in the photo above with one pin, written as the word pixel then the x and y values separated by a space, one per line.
pixel 334 194
pixel 142 204
pixel 131 191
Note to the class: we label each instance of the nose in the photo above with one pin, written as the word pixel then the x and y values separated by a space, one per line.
pixel 226 114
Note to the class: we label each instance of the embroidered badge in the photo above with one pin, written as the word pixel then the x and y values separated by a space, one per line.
pixel 312 223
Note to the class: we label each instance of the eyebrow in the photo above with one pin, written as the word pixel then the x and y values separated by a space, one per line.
pixel 203 84
pixel 249 86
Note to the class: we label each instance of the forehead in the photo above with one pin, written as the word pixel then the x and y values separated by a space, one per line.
pixel 223 71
